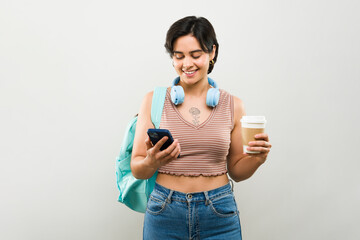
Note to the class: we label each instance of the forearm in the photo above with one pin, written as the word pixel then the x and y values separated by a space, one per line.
pixel 140 169
pixel 244 168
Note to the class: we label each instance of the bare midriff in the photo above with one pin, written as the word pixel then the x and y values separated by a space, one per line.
pixel 189 184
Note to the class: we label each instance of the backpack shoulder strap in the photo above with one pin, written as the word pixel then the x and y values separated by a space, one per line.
pixel 157 105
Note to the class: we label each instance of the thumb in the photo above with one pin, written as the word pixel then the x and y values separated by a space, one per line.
pixel 148 143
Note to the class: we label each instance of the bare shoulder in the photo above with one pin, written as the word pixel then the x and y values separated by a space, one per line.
pixel 148 96
pixel 239 109
pixel 238 103
pixel 146 105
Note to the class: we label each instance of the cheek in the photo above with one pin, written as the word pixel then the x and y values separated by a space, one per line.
pixel 177 67
pixel 176 64
pixel 202 63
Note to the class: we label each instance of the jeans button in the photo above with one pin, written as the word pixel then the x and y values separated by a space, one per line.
pixel 189 196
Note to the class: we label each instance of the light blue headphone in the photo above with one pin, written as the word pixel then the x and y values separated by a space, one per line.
pixel 212 96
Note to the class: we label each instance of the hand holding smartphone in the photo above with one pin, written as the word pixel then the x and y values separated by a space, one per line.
pixel 156 134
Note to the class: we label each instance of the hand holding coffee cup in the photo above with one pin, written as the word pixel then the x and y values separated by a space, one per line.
pixel 253 135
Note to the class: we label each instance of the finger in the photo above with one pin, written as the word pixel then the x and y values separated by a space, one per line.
pixel 175 153
pixel 258 149
pixel 263 136
pixel 172 156
pixel 169 149
pixel 159 144
pixel 259 144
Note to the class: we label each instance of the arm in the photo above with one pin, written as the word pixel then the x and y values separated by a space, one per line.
pixel 241 166
pixel 146 158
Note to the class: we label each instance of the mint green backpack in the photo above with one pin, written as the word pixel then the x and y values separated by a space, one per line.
pixel 135 193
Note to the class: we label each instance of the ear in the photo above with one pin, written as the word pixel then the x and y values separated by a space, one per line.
pixel 212 54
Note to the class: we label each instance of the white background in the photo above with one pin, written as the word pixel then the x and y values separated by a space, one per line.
pixel 74 72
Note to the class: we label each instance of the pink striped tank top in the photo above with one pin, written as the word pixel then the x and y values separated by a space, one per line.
pixel 204 148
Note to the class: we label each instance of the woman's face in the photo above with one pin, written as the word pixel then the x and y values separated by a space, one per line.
pixel 190 61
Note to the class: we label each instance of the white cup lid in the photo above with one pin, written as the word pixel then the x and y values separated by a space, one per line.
pixel 253 119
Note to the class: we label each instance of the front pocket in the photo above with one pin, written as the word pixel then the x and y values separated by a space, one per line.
pixel 224 206
pixel 155 205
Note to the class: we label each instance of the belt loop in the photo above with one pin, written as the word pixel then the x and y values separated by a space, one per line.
pixel 168 199
pixel 232 185
pixel 207 200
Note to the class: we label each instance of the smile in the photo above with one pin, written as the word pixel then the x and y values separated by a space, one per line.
pixel 189 72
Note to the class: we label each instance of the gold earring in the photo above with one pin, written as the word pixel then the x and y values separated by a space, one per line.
pixel 212 62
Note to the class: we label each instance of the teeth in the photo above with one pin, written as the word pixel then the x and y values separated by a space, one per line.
pixel 189 72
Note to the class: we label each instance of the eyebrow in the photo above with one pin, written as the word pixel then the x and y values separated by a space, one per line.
pixel 195 51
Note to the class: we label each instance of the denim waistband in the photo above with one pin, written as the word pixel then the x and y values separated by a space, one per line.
pixel 194 196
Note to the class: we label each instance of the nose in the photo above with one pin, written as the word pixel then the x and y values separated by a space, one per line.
pixel 187 62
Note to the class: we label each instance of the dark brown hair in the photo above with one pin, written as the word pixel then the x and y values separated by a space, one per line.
pixel 200 28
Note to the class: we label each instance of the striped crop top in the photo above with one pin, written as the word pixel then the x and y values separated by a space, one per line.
pixel 204 148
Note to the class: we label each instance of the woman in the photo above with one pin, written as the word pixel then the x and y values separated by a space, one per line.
pixel 193 198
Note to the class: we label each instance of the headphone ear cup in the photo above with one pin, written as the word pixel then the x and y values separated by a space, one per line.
pixel 177 95
pixel 212 97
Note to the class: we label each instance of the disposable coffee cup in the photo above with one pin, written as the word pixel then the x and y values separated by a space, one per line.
pixel 250 126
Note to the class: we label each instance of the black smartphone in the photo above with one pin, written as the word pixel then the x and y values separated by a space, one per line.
pixel 156 134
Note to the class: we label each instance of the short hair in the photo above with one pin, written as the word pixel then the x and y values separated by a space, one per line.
pixel 200 28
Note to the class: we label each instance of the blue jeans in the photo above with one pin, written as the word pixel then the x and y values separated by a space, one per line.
pixel 204 215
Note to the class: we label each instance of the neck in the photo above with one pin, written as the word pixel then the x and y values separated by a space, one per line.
pixel 197 89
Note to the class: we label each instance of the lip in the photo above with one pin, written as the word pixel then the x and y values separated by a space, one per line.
pixel 190 73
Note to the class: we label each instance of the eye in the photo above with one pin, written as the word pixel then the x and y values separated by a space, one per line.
pixel 196 55
pixel 178 55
